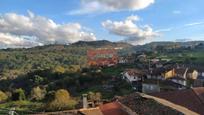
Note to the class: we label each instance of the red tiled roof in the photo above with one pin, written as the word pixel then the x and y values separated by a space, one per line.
pixel 200 93
pixel 134 72
pixel 102 57
pixel 113 108
pixel 193 99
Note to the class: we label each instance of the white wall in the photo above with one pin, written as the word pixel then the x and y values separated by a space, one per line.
pixel 131 78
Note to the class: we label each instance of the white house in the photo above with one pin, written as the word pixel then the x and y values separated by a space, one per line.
pixel 193 74
pixel 132 75
pixel 179 80
pixel 201 72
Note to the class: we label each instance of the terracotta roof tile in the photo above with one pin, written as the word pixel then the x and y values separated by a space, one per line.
pixel 91 111
pixel 134 72
pixel 113 108
pixel 189 98
pixel 145 106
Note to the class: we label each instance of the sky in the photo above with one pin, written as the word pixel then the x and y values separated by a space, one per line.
pixel 29 23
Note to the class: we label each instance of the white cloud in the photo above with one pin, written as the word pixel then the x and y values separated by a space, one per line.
pixel 131 32
pixel 176 12
pixel 90 6
pixel 164 30
pixel 45 30
pixel 12 41
pixel 194 24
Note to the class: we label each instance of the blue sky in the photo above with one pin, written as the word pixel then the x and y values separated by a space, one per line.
pixel 158 20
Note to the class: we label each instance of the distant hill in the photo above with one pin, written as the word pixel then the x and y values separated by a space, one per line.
pixel 188 43
pixel 101 43
pixel 167 45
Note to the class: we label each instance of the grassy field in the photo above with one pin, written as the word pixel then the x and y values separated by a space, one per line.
pixel 195 57
pixel 22 106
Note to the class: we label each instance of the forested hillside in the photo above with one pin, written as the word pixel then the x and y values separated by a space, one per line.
pixel 14 62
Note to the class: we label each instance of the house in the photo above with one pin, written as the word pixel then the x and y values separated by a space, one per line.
pixel 132 75
pixel 102 57
pixel 158 63
pixel 200 71
pixel 192 99
pixel 169 73
pixel 142 58
pixel 192 74
pixel 179 80
pixel 113 108
pixel 139 104
pixel 198 68
pixel 128 59
pixel 135 78
pixel 180 72
pixel 186 73
pixel 199 82
pixel 161 73
pixel 155 73
pixel 122 60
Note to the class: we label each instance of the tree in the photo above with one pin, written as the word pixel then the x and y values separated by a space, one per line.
pixel 91 96
pixel 98 96
pixel 37 93
pixel 19 94
pixel 94 97
pixel 59 69
pixel 61 101
pixel 38 79
pixel 3 96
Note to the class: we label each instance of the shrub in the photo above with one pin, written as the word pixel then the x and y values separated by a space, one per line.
pixel 37 93
pixel 38 79
pixel 19 94
pixel 61 101
pixel 59 69
pixel 3 96
pixel 94 97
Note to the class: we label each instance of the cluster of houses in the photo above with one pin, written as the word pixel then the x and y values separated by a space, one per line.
pixel 181 77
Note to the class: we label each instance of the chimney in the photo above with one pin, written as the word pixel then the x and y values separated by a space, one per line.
pixel 185 74
pixel 85 102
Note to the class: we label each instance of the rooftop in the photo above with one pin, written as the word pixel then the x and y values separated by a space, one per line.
pixel 113 108
pixel 193 99
pixel 134 72
pixel 142 105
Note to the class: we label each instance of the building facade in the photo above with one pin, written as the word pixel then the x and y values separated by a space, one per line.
pixel 102 57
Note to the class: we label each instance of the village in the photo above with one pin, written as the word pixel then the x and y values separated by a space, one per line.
pixel 160 80
pixel 101 57
pixel 111 83
pixel 150 75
